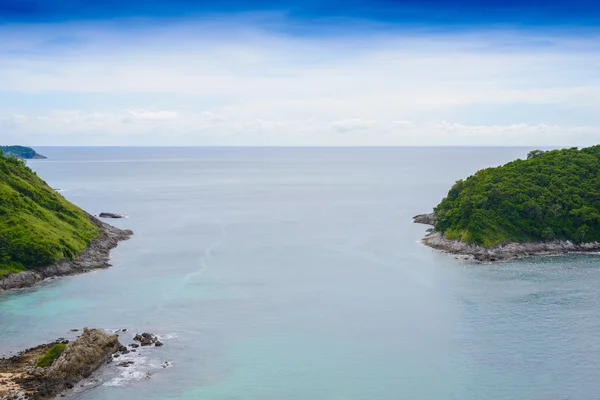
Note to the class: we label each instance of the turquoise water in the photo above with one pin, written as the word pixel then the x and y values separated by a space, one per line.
pixel 297 274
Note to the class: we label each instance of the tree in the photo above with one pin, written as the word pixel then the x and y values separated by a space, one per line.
pixel 534 153
pixel 548 235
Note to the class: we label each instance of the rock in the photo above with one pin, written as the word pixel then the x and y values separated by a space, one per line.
pixel 147 339
pixel 506 250
pixel 134 345
pixel 83 356
pixel 78 361
pixel 427 219
pixel 74 330
pixel 110 215
pixel 125 363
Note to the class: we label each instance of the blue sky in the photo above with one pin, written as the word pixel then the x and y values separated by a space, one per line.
pixel 300 73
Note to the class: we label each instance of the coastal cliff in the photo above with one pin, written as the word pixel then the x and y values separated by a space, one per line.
pixel 546 204
pixel 42 234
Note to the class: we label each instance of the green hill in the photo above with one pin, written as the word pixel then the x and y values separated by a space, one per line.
pixel 20 152
pixel 37 225
pixel 550 195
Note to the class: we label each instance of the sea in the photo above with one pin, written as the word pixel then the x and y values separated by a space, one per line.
pixel 297 273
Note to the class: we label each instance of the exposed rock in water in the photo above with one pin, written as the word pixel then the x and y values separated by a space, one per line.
pixel 110 215
pixel 80 358
pixel 147 339
pixel 95 256
pixel 427 219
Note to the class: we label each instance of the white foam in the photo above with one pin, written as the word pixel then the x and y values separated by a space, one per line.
pixel 144 365
pixel 167 336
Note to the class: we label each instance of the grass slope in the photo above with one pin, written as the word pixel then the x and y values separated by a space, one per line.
pixel 37 225
pixel 551 195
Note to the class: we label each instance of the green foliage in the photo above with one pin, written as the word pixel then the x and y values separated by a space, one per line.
pixel 551 195
pixel 51 355
pixel 37 225
pixel 534 153
pixel 19 152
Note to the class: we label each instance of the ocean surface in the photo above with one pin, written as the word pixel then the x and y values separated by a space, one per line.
pixel 297 273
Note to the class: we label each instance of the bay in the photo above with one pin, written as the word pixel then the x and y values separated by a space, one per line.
pixel 297 273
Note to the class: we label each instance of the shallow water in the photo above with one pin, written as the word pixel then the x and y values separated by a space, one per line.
pixel 276 273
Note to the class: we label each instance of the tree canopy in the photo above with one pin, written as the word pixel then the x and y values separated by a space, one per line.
pixel 20 152
pixel 550 195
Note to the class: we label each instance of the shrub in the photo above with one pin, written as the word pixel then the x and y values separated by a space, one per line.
pixel 51 355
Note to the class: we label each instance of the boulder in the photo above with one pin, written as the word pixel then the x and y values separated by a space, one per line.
pixel 427 219
pixel 110 215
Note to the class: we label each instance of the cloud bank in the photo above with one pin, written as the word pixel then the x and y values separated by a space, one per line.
pixel 233 81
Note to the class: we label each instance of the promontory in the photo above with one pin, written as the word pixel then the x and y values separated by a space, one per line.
pixel 20 152
pixel 42 234
pixel 548 203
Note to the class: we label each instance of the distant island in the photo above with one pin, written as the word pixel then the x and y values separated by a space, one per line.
pixel 42 234
pixel 20 152
pixel 548 203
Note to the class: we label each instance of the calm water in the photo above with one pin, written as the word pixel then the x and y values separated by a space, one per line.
pixel 297 274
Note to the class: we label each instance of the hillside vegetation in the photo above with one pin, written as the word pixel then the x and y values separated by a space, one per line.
pixel 20 152
pixel 37 225
pixel 550 195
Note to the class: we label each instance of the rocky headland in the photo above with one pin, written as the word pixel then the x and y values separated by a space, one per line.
pixel 21 152
pixel 47 370
pixel 500 252
pixel 95 256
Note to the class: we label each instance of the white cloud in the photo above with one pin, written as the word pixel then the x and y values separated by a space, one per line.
pixel 206 128
pixel 222 83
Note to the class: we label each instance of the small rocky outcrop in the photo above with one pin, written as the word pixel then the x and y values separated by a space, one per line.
pixel 19 378
pixel 110 215
pixel 427 219
pixel 147 339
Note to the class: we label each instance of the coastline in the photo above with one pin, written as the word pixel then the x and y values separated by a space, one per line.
pixel 50 370
pixel 95 256
pixel 504 251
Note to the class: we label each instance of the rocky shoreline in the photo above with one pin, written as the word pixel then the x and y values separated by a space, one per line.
pixel 23 377
pixel 94 257
pixel 504 251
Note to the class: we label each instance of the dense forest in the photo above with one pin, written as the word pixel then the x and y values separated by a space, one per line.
pixel 37 225
pixel 550 195
pixel 20 152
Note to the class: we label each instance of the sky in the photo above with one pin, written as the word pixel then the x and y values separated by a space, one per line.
pixel 300 73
